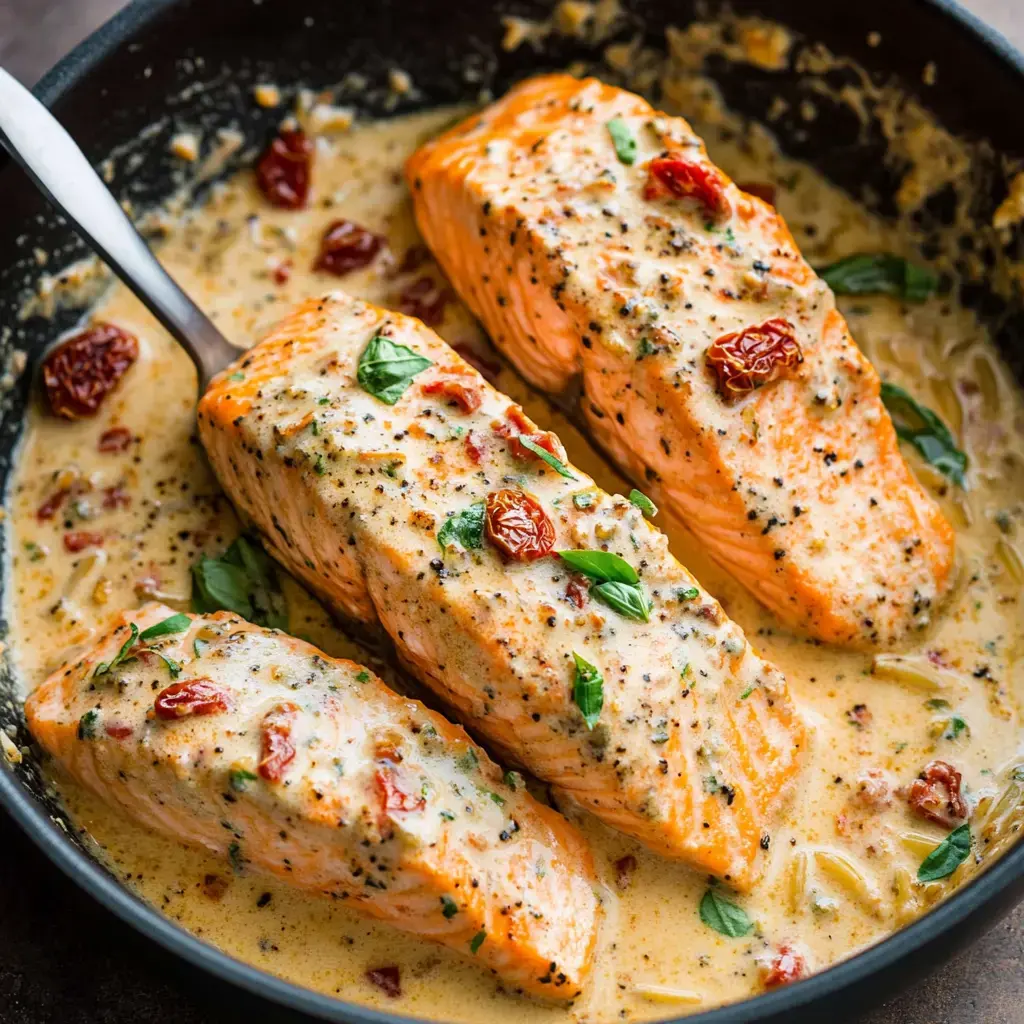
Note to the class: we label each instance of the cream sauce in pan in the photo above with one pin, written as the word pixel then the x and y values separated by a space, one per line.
pixel 841 874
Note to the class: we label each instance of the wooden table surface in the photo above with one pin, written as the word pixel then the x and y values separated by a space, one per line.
pixel 66 961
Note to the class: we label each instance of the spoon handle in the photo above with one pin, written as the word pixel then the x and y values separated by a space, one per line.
pixel 36 140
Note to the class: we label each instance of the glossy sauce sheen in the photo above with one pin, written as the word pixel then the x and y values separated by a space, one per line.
pixel 655 957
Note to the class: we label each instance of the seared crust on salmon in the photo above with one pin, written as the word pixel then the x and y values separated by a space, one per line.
pixel 264 750
pixel 433 506
pixel 714 362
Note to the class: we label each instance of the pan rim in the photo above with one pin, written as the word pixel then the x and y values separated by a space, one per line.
pixel 91 876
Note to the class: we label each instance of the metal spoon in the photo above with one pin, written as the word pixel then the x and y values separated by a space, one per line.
pixel 36 140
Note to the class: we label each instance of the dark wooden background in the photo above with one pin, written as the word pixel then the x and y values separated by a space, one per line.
pixel 64 960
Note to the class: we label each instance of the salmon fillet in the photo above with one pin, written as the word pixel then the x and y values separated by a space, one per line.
pixel 262 749
pixel 400 514
pixel 638 266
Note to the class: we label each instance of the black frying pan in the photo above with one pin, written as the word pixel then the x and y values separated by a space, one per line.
pixel 131 73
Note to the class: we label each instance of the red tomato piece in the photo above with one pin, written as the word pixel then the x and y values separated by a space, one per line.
pixel 577 591
pixel 191 697
pixel 465 395
pixel 762 189
pixel 79 540
pixel 116 439
pixel 51 506
pixel 425 299
pixel 474 446
pixel 393 796
pixel 346 247
pixel 935 794
pixel 83 370
pixel 517 426
pixel 678 178
pixel 118 730
pixel 276 748
pixel 754 356
pixel 518 526
pixel 116 497
pixel 284 170
pixel 786 966
pixel 387 979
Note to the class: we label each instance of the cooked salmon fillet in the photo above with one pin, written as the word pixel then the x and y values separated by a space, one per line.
pixel 266 751
pixel 594 238
pixel 436 517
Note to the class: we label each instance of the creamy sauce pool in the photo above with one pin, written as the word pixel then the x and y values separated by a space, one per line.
pixel 840 875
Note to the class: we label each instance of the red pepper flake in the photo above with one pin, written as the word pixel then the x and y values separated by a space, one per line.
pixel 754 356
pixel 518 526
pixel 118 730
pixel 677 178
pixel 465 395
pixel 282 272
pixel 193 697
pixel 487 368
pixel 786 966
pixel 474 446
pixel 762 189
pixel 283 171
pixel 935 794
pixel 116 439
pixel 51 506
pixel 577 591
pixel 276 748
pixel 116 497
pixel 624 869
pixel 425 299
pixel 83 370
pixel 387 979
pixel 79 540
pixel 346 247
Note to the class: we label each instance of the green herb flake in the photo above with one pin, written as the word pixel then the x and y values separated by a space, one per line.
pixel 584 500
pixel 237 375
pixel 239 779
pixel 588 690
pixel 630 601
pixel 236 858
pixel 244 581
pixel 937 704
pixel 174 624
pixel 468 761
pixel 199 647
pixel 880 274
pixel 724 916
pixel 386 369
pixel 87 725
pixel 746 693
pixel 919 426
pixel 513 780
pixel 476 942
pixel 363 677
pixel 623 140
pixel 600 566
pixel 465 527
pixel 688 594
pixel 643 503
pixel 496 797
pixel 449 907
pixel 447 816
pixel 955 727
pixel 544 455
pixel 34 551
pixel 104 668
pixel 947 856
pixel 320 465
pixel 323 401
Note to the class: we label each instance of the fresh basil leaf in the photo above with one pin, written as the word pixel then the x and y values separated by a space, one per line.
pixel 588 690
pixel 243 580
pixel 947 856
pixel 199 647
pixel 174 624
pixel 918 425
pixel 465 527
pixel 643 503
pixel 122 655
pixel 629 600
pixel 476 942
pixel 87 725
pixel 385 369
pixel 724 916
pixel 601 566
pixel 172 666
pixel 220 586
pixel 880 274
pixel 555 463
pixel 623 140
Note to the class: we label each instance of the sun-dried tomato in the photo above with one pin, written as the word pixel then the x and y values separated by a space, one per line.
pixel 516 426
pixel 191 697
pixel 754 356
pixel 118 730
pixel 393 797
pixel 346 247
pixel 935 794
pixel 116 497
pixel 425 299
pixel 116 439
pixel 414 258
pixel 487 368
pixel 214 887
pixel 282 272
pixel 80 372
pixel 518 526
pixel 276 748
pixel 474 446
pixel 678 178
pixel 387 979
pixel 762 189
pixel 577 590
pixel 51 506
pixel 873 790
pixel 283 171
pixel 624 869
pixel 785 967
pixel 79 540
pixel 464 394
